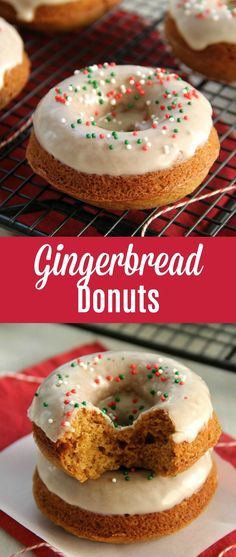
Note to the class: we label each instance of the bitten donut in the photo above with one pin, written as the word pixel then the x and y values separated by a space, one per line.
pixel 112 509
pixel 123 137
pixel 55 15
pixel 202 34
pixel 123 409
pixel 14 63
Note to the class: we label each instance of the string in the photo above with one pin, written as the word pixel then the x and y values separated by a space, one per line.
pixel 161 212
pixel 14 135
pixel 37 546
pixel 226 550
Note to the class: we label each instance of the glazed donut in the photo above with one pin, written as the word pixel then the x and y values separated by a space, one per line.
pixel 123 409
pixel 114 510
pixel 14 63
pixel 123 137
pixel 203 35
pixel 55 15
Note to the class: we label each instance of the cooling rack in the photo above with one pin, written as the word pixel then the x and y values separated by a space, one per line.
pixel 209 343
pixel 132 33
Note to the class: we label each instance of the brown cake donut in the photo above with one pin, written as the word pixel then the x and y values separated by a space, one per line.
pixel 124 137
pixel 123 409
pixel 204 37
pixel 113 510
pixel 14 64
pixel 49 17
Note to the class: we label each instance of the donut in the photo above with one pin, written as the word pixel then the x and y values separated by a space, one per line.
pixel 203 35
pixel 14 64
pixel 114 510
pixel 123 137
pixel 128 409
pixel 55 15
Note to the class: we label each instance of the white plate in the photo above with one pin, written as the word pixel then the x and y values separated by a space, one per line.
pixel 17 464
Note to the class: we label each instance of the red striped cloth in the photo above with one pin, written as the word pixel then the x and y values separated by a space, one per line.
pixel 16 397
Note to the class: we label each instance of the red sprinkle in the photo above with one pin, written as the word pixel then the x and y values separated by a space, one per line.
pixel 66 401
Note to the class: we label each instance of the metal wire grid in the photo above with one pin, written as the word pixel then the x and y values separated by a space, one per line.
pixel 212 344
pixel 29 206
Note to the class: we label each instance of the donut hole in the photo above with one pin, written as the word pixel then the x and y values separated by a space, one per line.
pixel 123 407
pixel 127 111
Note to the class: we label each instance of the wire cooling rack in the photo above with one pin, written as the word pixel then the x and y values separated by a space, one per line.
pixel 132 33
pixel 211 343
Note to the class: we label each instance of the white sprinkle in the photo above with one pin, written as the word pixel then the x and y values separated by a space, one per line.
pixel 148 103
pixel 72 402
pixel 166 149
pixel 113 102
pixel 108 135
pixel 129 146
pixel 59 383
pixel 102 82
pixel 142 81
pixel 132 82
pixel 171 119
pixel 113 80
pixel 50 420
pixel 114 480
pixel 92 118
pixel 67 424
pixel 76 72
pixel 149 144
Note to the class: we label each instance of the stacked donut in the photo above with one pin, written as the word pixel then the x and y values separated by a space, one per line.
pixel 14 63
pixel 124 446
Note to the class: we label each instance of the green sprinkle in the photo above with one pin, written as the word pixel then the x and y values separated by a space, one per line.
pixel 189 102
pixel 36 394
pixel 141 407
pixel 157 102
pixel 152 392
pixel 127 478
pixel 84 87
pixel 88 135
pixel 60 376
pixel 104 410
pixel 111 147
pixel 149 375
pixel 73 364
pixel 45 404
pixel 79 121
pixel 139 141
pixel 176 372
pixel 130 105
pixel 101 101
pixel 94 135
pixel 84 403
pixel 177 380
pixel 76 405
pixel 72 125
pixel 150 476
pixel 179 120
pixel 117 398
pixel 121 376
pixel 165 395
pixel 126 142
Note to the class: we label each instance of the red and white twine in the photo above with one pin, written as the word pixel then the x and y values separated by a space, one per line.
pixel 170 208
pixel 14 135
pixel 37 546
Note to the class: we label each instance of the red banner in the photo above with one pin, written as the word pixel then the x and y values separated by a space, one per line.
pixel 117 279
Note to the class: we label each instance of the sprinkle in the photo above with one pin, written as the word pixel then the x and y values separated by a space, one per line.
pixel 114 480
pixel 50 420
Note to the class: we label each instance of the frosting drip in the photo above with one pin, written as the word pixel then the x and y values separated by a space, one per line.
pixel 25 9
pixel 132 119
pixel 145 381
pixel 205 22
pixel 112 494
pixel 11 49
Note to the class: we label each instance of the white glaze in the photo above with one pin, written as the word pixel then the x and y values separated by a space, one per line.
pixel 11 48
pixel 188 402
pixel 25 9
pixel 59 133
pixel 204 22
pixel 136 496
